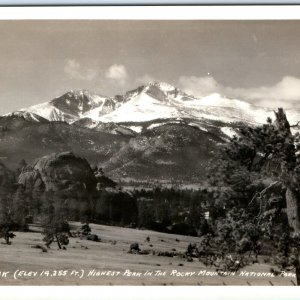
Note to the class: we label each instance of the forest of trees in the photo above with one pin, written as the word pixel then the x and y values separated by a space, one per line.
pixel 256 176
pixel 249 207
pixel 162 209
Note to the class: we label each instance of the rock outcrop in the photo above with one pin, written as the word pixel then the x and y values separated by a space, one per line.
pixel 60 172
pixel 31 179
pixel 65 171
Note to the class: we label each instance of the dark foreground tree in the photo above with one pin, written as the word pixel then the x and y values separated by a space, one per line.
pixel 55 220
pixel 20 205
pixel 7 223
pixel 259 172
pixel 7 187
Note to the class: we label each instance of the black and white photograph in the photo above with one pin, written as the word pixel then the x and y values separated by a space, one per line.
pixel 150 152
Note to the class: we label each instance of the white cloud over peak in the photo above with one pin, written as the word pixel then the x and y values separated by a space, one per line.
pixel 75 71
pixel 287 89
pixel 285 93
pixel 199 86
pixel 145 79
pixel 117 73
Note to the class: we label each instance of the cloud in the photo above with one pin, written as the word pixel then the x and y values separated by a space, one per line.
pixel 199 86
pixel 145 79
pixel 288 90
pixel 117 73
pixel 74 70
pixel 285 93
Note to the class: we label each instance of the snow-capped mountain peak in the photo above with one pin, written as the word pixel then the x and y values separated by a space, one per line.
pixel 68 107
pixel 156 100
pixel 163 86
pixel 81 99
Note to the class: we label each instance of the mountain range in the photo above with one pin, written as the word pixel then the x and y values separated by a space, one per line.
pixel 155 131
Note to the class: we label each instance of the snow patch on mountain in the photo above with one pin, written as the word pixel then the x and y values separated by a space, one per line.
pixel 216 99
pixel 105 106
pixel 198 125
pixel 47 111
pixel 166 87
pixel 27 116
pixel 156 125
pixel 230 132
pixel 137 129
pixel 92 99
pixel 141 108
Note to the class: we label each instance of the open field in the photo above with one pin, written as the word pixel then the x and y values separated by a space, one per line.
pixel 88 257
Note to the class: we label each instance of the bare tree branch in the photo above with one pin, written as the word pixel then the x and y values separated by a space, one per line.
pixel 296 125
pixel 260 194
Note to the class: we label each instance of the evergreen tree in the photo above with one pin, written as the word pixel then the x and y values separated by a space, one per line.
pixel 21 204
pixel 7 223
pixel 55 220
pixel 258 172
pixel 7 188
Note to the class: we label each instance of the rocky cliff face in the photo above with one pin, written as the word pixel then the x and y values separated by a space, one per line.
pixel 31 179
pixel 60 172
pixel 65 171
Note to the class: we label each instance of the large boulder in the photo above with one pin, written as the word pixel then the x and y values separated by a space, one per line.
pixel 31 179
pixel 60 172
pixel 65 171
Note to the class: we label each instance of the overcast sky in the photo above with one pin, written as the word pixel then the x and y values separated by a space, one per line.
pixel 257 61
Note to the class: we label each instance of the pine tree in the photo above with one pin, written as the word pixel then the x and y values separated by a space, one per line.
pixel 259 172
pixel 7 188
pixel 7 223
pixel 21 204
pixel 55 220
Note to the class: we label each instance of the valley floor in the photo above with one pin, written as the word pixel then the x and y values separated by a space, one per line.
pixel 87 262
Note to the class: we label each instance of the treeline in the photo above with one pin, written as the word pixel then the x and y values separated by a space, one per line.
pixel 174 210
pixel 25 199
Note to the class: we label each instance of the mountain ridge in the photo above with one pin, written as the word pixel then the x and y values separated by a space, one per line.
pixel 149 102
pixel 161 99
